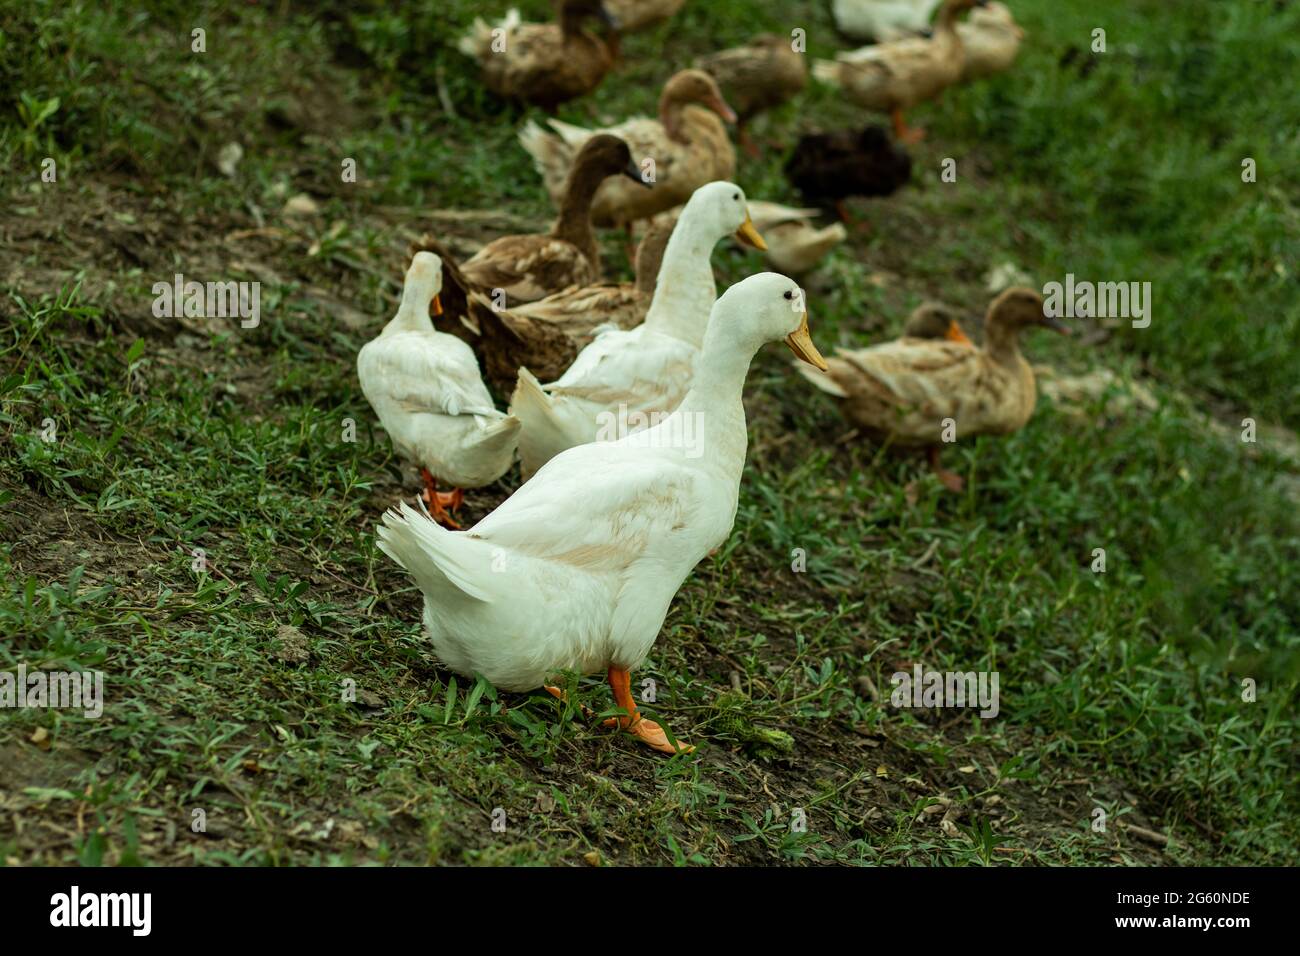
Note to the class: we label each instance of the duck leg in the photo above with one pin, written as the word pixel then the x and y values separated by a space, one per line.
pixel 559 694
pixel 852 222
pixel 747 142
pixel 842 211
pixel 902 131
pixel 950 480
pixel 441 503
pixel 630 239
pixel 647 731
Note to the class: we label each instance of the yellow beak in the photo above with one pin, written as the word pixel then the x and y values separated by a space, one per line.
pixel 435 307
pixel 801 344
pixel 747 235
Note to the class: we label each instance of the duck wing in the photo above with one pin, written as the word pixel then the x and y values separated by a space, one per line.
pixel 600 507
pixel 421 375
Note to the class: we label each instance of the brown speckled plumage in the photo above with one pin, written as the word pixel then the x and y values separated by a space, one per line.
pixel 904 390
pixel 530 267
pixel 758 76
pixel 688 144
pixel 902 73
pixel 545 64
pixel 545 335
pixel 635 15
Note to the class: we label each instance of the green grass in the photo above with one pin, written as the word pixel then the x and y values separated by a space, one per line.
pixel 227 686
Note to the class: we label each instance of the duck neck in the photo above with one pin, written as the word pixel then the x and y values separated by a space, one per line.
pixel 1002 341
pixel 685 291
pixel 675 116
pixel 570 21
pixel 650 257
pixel 716 398
pixel 413 313
pixel 946 24
pixel 574 224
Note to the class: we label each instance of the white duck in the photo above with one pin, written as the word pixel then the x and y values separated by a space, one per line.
pixel 577 569
pixel 426 389
pixel 882 20
pixel 623 379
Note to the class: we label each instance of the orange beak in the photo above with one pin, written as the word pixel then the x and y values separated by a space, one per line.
pixel 748 235
pixel 435 307
pixel 720 106
pixel 955 334
pixel 801 344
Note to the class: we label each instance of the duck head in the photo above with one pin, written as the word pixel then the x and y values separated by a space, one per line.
pixel 996 19
pixel 719 209
pixel 767 307
pixel 422 285
pixel 686 87
pixel 1020 308
pixel 933 320
pixel 605 155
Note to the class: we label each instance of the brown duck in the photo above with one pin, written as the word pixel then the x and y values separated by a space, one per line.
pixel 911 391
pixel 545 64
pixel 528 267
pixel 756 77
pixel 687 143
pixel 896 76
pixel 934 321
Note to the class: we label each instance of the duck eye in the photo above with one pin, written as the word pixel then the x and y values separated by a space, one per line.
pixel 736 196
pixel 789 295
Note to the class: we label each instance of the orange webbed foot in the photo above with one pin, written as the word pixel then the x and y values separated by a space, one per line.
pixel 904 133
pixel 652 735
pixel 950 480
pixel 441 503
pixel 646 731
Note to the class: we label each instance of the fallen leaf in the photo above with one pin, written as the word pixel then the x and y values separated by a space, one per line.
pixel 301 205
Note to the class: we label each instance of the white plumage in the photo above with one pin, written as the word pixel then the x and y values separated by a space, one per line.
pixel 882 20
pixel 426 389
pixel 577 569
pixel 624 377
